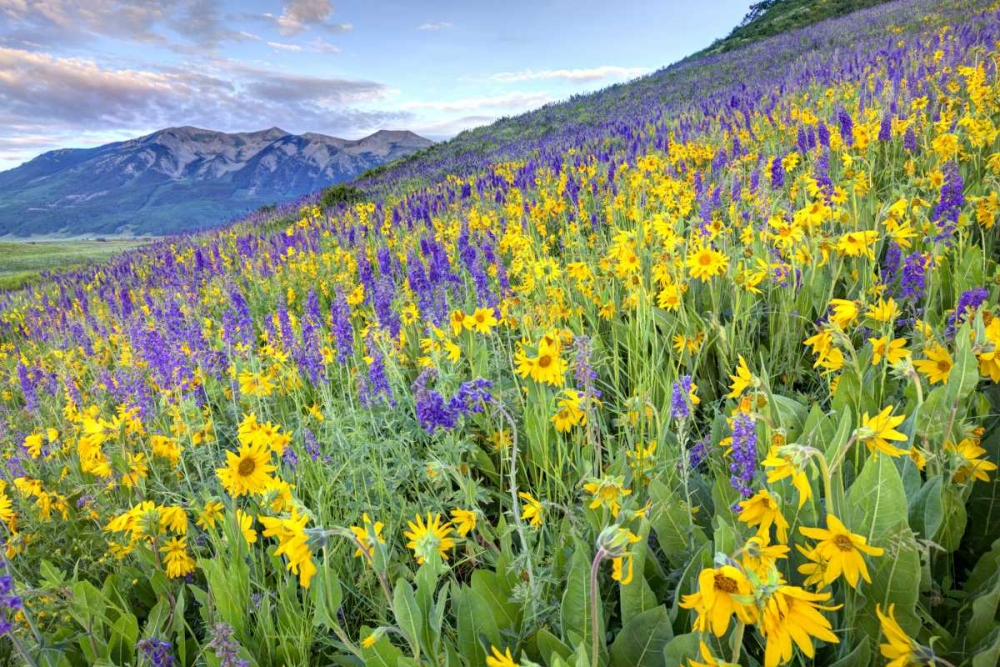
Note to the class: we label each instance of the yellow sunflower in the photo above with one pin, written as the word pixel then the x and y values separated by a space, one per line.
pixel 247 471
pixel 427 538
pixel 840 551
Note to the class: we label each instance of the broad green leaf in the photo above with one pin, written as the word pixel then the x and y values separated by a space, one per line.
pixel 895 580
pixel 642 641
pixel 475 623
pixel 949 533
pixel 575 612
pixel 964 375
pixel 860 655
pixel 326 595
pixel 877 500
pixel 988 654
pixel 550 647
pixel 408 615
pixel 985 612
pixel 494 590
pixel 682 648
pixel 637 596
pixel 382 653
pixel 124 635
pixel 672 522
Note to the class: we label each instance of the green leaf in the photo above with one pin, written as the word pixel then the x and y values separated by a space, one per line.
pixel 988 654
pixel 475 621
pixel 124 635
pixel 575 610
pixel 408 616
pixel 933 416
pixel 682 648
pixel 494 590
pixel 949 534
pixel 964 375
pixel 637 596
pixel 642 640
pixel 985 608
pixel 550 647
pixel 877 500
pixel 326 596
pixel 676 532
pixel 895 580
pixel 382 653
pixel 861 655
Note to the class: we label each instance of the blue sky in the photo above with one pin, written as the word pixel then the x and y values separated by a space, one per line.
pixel 85 72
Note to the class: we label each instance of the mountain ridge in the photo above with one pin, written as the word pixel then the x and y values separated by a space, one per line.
pixel 182 178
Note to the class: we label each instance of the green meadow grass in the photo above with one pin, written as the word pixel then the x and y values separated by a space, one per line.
pixel 22 262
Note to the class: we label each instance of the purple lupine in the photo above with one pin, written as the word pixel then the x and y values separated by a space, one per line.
pixel 10 603
pixel 885 128
pixel 290 458
pixel 225 647
pixel 27 388
pixel 375 385
pixel 823 134
pixel 432 410
pixel 583 371
pixel 846 127
pixel 680 398
pixel 950 204
pixel 777 173
pixel 698 452
pixel 157 651
pixel 823 180
pixel 969 300
pixel 343 331
pixel 744 455
pixel 471 396
pixel 889 268
pixel 913 281
pixel 910 140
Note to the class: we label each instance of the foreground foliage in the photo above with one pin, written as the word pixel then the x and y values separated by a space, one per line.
pixel 716 382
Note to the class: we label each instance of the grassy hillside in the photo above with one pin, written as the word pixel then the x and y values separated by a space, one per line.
pixel 23 262
pixel 775 17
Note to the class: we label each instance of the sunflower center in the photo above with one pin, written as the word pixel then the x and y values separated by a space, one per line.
pixel 725 584
pixel 944 365
pixel 246 467
pixel 544 361
pixel 843 543
pixel 705 259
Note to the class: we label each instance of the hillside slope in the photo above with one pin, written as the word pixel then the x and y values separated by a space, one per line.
pixel 182 178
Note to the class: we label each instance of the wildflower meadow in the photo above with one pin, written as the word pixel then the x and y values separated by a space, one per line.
pixel 709 380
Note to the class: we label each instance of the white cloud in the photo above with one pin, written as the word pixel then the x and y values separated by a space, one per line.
pixel 300 15
pixel 42 94
pixel 448 128
pixel 510 102
pixel 576 75
pixel 434 25
pixel 284 47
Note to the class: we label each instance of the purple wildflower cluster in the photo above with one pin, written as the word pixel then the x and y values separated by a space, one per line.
pixel 969 300
pixel 950 204
pixel 10 603
pixel 583 371
pixel 434 412
pixel 225 647
pixel 744 455
pixel 680 399
pixel 157 651
pixel 913 282
pixel 375 386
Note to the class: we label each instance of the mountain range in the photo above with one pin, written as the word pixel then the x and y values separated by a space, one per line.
pixel 182 178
